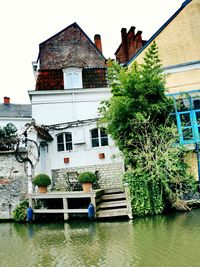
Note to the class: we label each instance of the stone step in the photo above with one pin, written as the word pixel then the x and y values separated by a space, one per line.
pixel 114 196
pixel 112 204
pixel 112 213
pixel 113 190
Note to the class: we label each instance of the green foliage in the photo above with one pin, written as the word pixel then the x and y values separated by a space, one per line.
pixel 8 137
pixel 87 177
pixel 137 118
pixel 160 174
pixel 19 214
pixel 42 180
pixel 138 96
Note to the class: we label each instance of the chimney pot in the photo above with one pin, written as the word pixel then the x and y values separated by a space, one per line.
pixel 6 100
pixel 97 41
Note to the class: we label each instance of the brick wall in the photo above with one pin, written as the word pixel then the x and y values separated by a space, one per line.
pixel 130 44
pixel 70 47
pixel 109 175
pixel 13 184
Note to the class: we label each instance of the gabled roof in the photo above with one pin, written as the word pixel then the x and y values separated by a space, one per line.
pixel 72 25
pixel 15 110
pixel 159 30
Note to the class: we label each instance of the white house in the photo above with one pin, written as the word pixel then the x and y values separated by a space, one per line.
pixel 70 84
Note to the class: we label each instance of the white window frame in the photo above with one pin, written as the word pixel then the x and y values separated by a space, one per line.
pixel 64 141
pixel 99 138
pixel 72 78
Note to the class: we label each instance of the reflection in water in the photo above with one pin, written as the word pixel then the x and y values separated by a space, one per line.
pixel 163 241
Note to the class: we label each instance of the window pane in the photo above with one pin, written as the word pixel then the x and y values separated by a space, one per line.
pixel 68 137
pixel 60 147
pixel 180 105
pixel 196 104
pixel 60 138
pixel 104 141
pixel 103 132
pixel 68 146
pixel 94 133
pixel 95 142
pixel 185 119
pixel 187 134
pixel 198 117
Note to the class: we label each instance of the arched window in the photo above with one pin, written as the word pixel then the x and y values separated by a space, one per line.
pixel 99 137
pixel 64 142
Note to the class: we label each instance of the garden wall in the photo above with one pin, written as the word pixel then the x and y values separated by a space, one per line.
pixel 109 175
pixel 13 184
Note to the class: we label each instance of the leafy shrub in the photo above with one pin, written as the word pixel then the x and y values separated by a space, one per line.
pixel 42 180
pixel 8 137
pixel 87 177
pixel 19 213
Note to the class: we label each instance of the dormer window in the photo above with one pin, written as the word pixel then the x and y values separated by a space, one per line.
pixel 72 78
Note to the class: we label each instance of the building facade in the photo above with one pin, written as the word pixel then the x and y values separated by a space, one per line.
pixel 71 82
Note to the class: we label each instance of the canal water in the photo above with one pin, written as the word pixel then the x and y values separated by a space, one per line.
pixel 164 241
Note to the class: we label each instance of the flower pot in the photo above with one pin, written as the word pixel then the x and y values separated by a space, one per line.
pixel 87 187
pixel 42 189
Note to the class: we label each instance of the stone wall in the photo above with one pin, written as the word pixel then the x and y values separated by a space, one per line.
pixel 13 184
pixel 109 175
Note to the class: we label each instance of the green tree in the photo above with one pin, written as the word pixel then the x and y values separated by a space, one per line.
pixel 137 118
pixel 8 137
pixel 138 95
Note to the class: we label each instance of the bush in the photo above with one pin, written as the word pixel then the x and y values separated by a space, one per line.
pixel 87 177
pixel 42 180
pixel 19 213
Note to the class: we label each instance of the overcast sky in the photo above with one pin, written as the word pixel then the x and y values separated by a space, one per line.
pixel 27 23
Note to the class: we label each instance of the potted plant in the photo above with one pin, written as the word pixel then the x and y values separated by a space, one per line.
pixel 42 181
pixel 87 179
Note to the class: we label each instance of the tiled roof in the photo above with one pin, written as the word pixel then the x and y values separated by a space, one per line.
pixel 15 110
pixel 50 80
pixel 53 79
pixel 94 78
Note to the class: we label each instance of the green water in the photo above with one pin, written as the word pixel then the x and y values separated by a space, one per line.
pixel 172 240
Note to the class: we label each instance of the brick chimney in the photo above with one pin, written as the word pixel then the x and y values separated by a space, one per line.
pixel 130 44
pixel 6 100
pixel 97 41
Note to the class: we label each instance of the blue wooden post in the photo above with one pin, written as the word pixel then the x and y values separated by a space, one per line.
pixel 198 161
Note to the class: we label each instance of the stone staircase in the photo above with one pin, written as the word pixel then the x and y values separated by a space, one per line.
pixel 113 203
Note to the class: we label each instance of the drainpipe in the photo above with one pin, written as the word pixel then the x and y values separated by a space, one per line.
pixel 198 161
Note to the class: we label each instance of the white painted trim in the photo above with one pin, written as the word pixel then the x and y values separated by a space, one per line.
pixel 181 68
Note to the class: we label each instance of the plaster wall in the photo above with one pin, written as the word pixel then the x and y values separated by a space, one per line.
pixel 66 105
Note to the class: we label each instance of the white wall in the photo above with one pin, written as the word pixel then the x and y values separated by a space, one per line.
pixel 58 106
pixel 53 107
pixel 80 155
